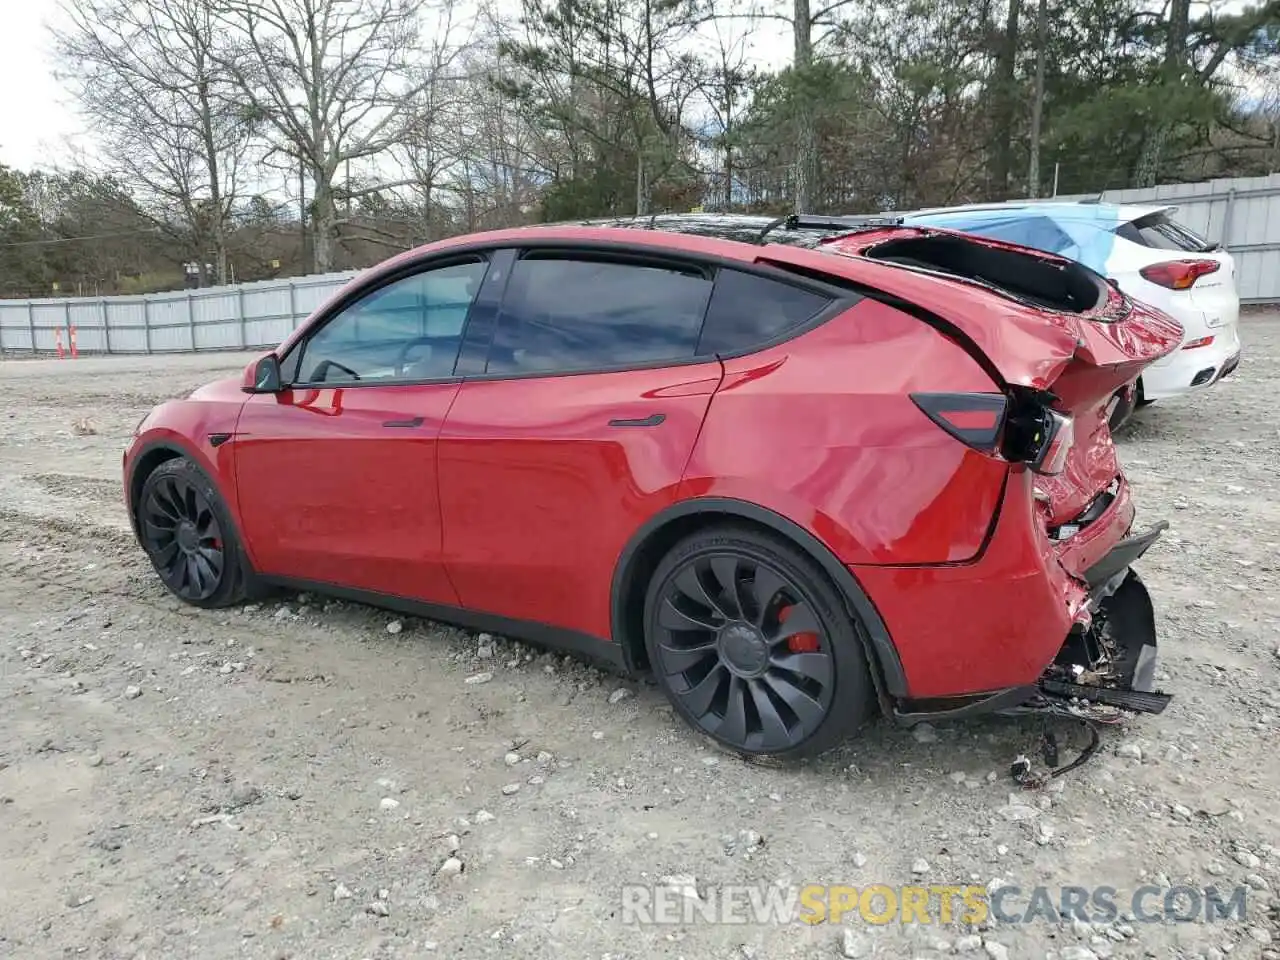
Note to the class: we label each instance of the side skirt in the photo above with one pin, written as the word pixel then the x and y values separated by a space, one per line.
pixel 910 712
pixel 604 652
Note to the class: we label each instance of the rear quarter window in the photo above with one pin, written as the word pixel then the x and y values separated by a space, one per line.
pixel 748 311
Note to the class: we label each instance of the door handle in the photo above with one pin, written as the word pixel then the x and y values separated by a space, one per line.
pixel 414 422
pixel 650 421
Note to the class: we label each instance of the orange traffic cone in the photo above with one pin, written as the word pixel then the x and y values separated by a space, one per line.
pixel 57 342
pixel 74 354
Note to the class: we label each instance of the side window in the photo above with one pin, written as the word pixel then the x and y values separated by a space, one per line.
pixel 747 311
pixel 408 330
pixel 1158 231
pixel 576 313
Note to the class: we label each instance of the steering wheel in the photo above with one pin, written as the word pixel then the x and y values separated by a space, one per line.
pixel 321 372
pixel 404 352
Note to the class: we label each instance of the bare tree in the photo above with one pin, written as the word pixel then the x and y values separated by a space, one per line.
pixel 148 77
pixel 1037 103
pixel 334 81
pixel 726 87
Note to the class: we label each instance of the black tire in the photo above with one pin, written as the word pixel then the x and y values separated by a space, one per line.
pixel 729 664
pixel 188 535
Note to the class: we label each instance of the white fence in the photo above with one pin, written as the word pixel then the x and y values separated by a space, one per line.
pixel 212 318
pixel 1242 214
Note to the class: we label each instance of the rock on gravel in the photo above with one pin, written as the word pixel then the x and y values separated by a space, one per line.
pixel 132 693
pixel 1017 812
pixel 854 944
pixel 452 867
pixel 474 679
pixel 1246 859
pixel 924 733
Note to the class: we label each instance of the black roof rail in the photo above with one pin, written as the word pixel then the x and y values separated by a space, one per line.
pixel 805 221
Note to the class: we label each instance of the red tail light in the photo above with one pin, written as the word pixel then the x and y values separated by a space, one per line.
pixel 1179 274
pixel 975 419
pixel 1025 431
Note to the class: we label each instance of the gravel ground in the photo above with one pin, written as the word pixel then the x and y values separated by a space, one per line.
pixel 291 780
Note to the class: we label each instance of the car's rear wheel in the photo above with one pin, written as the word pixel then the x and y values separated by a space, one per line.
pixel 187 533
pixel 753 645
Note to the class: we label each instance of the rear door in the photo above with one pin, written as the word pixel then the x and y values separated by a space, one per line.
pixel 574 428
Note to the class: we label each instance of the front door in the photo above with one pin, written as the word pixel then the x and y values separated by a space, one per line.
pixel 336 473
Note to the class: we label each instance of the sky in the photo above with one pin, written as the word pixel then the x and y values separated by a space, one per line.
pixel 39 127
pixel 38 124
pixel 35 112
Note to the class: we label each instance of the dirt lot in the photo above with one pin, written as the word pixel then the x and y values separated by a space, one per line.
pixel 286 780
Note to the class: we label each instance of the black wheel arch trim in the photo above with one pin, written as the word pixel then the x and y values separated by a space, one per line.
pixel 175 448
pixel 883 655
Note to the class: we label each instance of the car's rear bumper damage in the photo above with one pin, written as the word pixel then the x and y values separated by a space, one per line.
pixel 1108 663
pixel 1027 589
pixel 1111 659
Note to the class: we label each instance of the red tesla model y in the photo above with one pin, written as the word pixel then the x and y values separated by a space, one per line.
pixel 797 471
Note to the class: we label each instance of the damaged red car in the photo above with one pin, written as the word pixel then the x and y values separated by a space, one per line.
pixel 798 471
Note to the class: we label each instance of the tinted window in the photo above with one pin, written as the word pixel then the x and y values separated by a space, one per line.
pixel 407 330
pixel 1158 231
pixel 747 311
pixel 576 314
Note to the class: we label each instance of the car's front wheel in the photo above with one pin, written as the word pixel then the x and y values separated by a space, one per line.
pixel 754 646
pixel 187 533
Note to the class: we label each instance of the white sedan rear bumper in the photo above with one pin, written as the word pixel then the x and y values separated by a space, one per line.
pixel 1193 368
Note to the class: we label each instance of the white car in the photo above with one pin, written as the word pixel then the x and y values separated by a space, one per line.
pixel 1150 256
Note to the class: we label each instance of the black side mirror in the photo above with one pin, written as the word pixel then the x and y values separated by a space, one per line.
pixel 262 376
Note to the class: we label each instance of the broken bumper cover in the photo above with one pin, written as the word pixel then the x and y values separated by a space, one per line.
pixel 1112 661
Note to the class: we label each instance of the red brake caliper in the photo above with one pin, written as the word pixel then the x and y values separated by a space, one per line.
pixel 798 642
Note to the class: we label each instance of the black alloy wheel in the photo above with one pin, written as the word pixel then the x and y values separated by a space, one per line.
pixel 184 538
pixel 745 637
pixel 184 529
